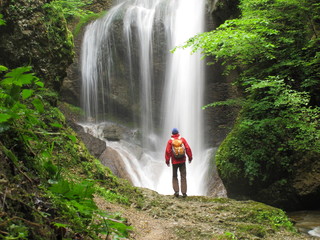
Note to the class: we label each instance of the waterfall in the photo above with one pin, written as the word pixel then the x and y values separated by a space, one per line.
pixel 130 46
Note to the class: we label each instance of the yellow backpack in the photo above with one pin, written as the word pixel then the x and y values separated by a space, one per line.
pixel 178 148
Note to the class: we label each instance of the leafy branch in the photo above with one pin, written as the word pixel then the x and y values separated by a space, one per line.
pixel 73 8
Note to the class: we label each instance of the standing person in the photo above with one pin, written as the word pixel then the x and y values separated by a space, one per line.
pixel 176 150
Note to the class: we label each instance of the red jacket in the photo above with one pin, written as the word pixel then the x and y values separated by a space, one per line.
pixel 169 154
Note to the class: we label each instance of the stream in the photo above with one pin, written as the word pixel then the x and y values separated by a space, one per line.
pixel 307 221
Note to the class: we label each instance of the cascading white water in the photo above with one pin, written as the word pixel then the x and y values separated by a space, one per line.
pixel 182 96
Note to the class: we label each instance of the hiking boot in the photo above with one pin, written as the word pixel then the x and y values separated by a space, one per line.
pixel 176 194
pixel 184 195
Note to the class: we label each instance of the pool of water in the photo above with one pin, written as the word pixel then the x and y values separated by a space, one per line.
pixel 307 222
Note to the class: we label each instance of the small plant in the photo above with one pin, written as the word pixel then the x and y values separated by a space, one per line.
pixel 226 236
pixel 277 219
pixel 16 231
pixel 230 235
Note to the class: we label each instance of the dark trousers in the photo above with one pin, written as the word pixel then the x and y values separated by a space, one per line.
pixel 183 177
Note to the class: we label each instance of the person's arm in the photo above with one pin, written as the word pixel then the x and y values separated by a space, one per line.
pixel 188 149
pixel 168 153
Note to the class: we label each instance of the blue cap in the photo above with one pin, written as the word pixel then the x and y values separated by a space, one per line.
pixel 175 131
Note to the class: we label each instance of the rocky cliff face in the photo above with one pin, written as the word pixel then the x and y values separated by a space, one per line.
pixel 71 86
pixel 219 120
pixel 35 34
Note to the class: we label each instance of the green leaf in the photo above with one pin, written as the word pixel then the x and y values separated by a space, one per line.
pixel 60 225
pixel 3 95
pixel 38 105
pixel 72 138
pixel 4 117
pixel 2 22
pixel 39 83
pixel 3 68
pixel 26 93
pixel 19 77
pixel 57 125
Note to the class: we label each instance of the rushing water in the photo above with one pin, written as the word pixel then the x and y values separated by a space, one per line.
pixel 307 222
pixel 147 26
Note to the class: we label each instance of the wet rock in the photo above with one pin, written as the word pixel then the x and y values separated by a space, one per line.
pixel 113 160
pixel 113 132
pixel 95 145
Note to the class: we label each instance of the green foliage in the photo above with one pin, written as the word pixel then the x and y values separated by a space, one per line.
pixel 15 89
pixel 228 102
pixel 2 22
pixel 228 236
pixel 277 219
pixel 16 231
pixel 58 34
pixel 275 129
pixel 270 38
pixel 111 196
pixel 35 140
pixel 72 8
pixel 242 42
pixel 76 201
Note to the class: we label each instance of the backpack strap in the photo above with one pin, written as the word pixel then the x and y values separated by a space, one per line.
pixel 176 138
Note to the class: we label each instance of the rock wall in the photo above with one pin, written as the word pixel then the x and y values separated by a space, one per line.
pixel 71 86
pixel 35 34
pixel 219 120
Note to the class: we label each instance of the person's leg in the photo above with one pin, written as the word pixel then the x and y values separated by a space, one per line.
pixel 183 175
pixel 175 183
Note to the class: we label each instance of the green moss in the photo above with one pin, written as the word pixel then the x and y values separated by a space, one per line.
pixel 190 232
pixel 207 199
pixel 253 229
pixel 226 236
pixel 84 20
pixel 263 215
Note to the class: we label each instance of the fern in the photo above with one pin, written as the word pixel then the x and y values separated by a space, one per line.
pixel 77 201
pixel 15 89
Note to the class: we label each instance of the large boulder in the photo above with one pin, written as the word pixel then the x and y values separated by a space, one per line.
pixel 95 145
pixel 252 166
pixel 112 159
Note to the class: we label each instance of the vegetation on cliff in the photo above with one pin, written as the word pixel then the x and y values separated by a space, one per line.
pixel 48 178
pixel 36 34
pixel 274 45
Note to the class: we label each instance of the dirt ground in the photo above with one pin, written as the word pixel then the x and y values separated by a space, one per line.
pixel 145 227
pixel 169 218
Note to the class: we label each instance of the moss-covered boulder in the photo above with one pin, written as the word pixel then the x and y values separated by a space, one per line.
pixel 258 162
pixel 35 34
